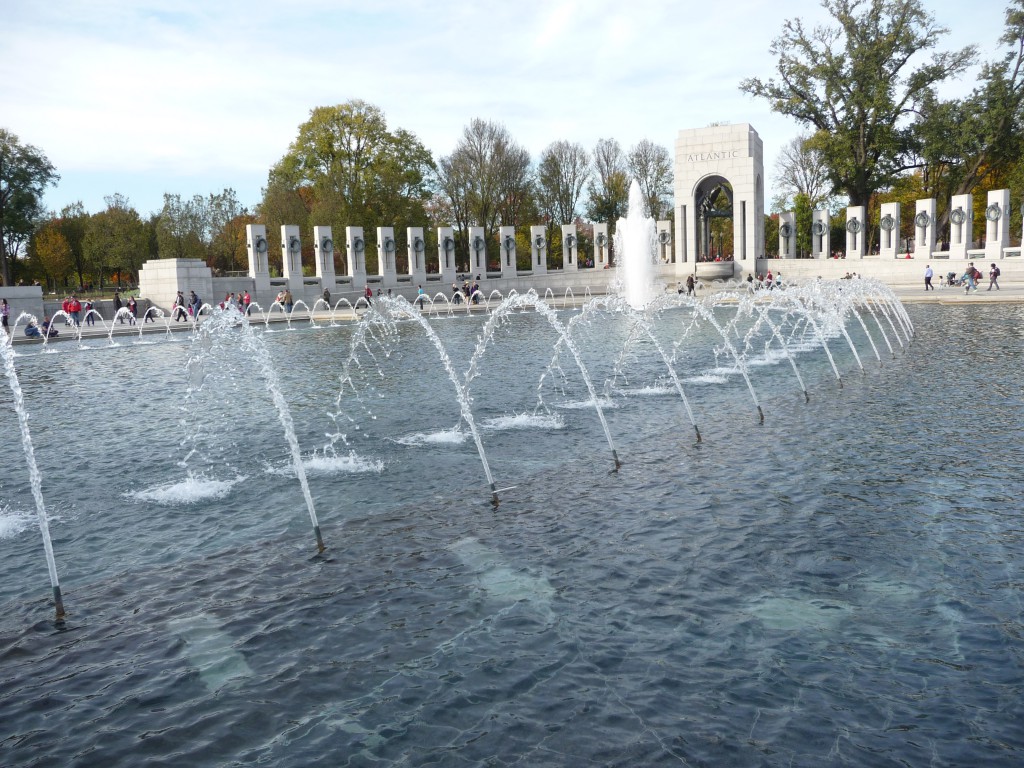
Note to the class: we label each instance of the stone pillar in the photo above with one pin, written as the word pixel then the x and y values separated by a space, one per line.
pixel 259 265
pixel 538 250
pixel 161 279
pixel 855 232
pixel 787 235
pixel 477 252
pixel 997 224
pixel 924 228
pixel 507 250
pixel 601 245
pixel 417 255
pixel 386 250
pixel 291 258
pixel 446 254
pixel 355 245
pixel 663 230
pixel 570 248
pixel 323 250
pixel 961 225
pixel 821 235
pixel 889 231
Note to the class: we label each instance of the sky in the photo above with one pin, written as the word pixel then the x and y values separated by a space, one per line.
pixel 192 97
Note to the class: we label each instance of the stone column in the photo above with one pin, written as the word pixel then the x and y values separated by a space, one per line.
pixel 477 253
pixel 889 231
pixel 355 245
pixel 821 235
pixel 259 265
pixel 417 255
pixel 570 248
pixel 538 250
pixel 601 245
pixel 291 259
pixel 997 224
pixel 323 249
pixel 855 234
pixel 924 228
pixel 787 235
pixel 663 234
pixel 386 250
pixel 507 251
pixel 961 225
pixel 446 254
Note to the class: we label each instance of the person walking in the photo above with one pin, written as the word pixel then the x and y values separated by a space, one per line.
pixel 928 273
pixel 968 279
pixel 179 308
pixel 993 277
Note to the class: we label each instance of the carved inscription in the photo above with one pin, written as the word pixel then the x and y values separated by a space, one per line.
pixel 704 157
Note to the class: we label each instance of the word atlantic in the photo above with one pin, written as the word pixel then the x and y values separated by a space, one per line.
pixel 703 157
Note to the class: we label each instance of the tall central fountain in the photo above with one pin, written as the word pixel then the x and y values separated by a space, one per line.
pixel 635 243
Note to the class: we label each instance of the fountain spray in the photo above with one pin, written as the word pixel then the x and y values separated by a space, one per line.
pixel 35 478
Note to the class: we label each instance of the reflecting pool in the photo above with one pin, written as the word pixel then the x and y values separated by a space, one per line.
pixel 839 583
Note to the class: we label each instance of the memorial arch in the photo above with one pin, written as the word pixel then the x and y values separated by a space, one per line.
pixel 719 198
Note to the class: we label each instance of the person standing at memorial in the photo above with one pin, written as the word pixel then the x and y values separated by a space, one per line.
pixel 5 315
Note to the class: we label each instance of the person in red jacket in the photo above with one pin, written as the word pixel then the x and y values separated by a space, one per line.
pixel 75 310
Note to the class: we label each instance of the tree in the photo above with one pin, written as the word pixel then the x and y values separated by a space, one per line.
pixel 24 175
pixel 348 168
pixel 563 171
pixel 651 165
pixel 116 240
pixel 966 143
pixel 181 231
pixel 53 252
pixel 73 221
pixel 854 84
pixel 608 190
pixel 800 170
pixel 486 179
pixel 226 220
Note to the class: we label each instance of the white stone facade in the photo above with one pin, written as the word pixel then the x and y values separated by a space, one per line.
pixel 733 154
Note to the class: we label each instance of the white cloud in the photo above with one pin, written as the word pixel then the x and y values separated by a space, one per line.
pixel 165 91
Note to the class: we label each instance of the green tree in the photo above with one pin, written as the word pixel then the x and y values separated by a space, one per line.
pixel 803 212
pixel 349 168
pixel 73 221
pixel 965 144
pixel 24 175
pixel 855 85
pixel 116 240
pixel 181 229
